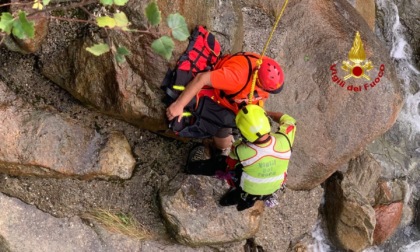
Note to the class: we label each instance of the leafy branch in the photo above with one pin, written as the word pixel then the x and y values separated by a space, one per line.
pixel 19 25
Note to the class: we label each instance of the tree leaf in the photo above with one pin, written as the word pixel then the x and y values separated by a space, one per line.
pixel 6 22
pixel 153 13
pixel 121 19
pixel 164 46
pixel 22 28
pixel 37 5
pixel 98 49
pixel 121 53
pixel 123 50
pixel 120 58
pixel 120 2
pixel 46 2
pixel 106 21
pixel 179 27
pixel 106 2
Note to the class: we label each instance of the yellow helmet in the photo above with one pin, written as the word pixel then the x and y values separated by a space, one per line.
pixel 252 122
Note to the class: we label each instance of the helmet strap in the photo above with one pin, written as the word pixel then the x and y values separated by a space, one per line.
pixel 262 141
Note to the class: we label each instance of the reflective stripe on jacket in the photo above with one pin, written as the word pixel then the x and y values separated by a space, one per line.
pixel 265 165
pixel 264 172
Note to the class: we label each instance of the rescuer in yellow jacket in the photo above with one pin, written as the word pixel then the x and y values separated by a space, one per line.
pixel 258 162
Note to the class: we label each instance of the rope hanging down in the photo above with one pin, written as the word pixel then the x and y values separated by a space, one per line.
pixel 259 61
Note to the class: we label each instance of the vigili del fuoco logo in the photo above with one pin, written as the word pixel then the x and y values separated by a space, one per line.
pixel 356 70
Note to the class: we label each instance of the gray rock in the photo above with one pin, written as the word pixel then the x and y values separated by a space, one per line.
pixel 295 217
pixel 363 173
pixel 332 120
pixel 350 218
pixel 366 9
pixel 389 191
pixel 45 143
pixel 193 216
pixel 24 228
pixel 115 157
pixel 348 212
pixel 190 208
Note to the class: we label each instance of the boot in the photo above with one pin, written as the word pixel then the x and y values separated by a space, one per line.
pixel 231 197
pixel 203 167
pixel 244 204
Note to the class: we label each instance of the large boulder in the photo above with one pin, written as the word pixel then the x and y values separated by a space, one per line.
pixel 293 219
pixel 131 91
pixel 194 217
pixel 348 212
pixel 337 118
pixel 190 208
pixel 25 228
pixel 361 209
pixel 43 142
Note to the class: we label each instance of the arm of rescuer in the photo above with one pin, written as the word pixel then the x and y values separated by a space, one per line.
pixel 287 124
pixel 192 89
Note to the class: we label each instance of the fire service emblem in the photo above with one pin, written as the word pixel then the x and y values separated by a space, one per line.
pixel 357 67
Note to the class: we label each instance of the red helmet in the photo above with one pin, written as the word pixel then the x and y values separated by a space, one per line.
pixel 270 76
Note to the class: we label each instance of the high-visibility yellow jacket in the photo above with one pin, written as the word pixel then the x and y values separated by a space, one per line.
pixel 265 165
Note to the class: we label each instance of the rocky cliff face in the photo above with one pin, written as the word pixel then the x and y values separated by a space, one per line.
pixel 310 47
pixel 337 118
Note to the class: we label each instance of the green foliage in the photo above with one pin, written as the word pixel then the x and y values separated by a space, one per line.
pixel 19 26
pixel 153 13
pixel 121 53
pixel 116 2
pixel 38 5
pixel 98 49
pixel 164 46
pixel 179 30
pixel 120 2
pixel 179 27
pixel 121 20
pixel 22 28
pixel 106 2
pixel 6 22
pixel 105 21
